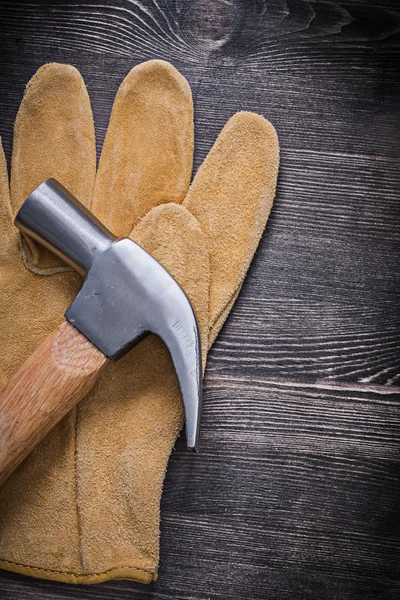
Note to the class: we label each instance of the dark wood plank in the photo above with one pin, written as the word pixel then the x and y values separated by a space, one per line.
pixel 295 493
pixel 321 300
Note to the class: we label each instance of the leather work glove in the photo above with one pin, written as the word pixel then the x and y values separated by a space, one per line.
pixel 84 506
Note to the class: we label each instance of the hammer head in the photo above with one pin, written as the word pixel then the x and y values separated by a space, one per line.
pixel 126 293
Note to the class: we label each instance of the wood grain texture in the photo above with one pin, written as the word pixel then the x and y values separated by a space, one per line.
pixel 295 493
pixel 55 377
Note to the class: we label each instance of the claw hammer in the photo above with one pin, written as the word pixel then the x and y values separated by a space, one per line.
pixel 126 295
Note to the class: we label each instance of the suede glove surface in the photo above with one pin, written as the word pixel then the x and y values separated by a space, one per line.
pixel 84 506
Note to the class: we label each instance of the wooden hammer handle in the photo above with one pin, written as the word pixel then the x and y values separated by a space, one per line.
pixel 55 377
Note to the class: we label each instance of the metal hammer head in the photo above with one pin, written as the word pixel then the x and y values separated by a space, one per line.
pixel 126 293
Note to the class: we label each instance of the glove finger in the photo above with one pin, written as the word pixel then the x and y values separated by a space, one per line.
pixel 53 137
pixel 7 229
pixel 174 237
pixel 129 424
pixel 216 325
pixel 147 155
pixel 231 197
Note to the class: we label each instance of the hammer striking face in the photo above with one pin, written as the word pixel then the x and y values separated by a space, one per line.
pixel 126 295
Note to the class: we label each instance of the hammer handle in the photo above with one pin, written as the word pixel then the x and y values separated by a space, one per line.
pixel 55 377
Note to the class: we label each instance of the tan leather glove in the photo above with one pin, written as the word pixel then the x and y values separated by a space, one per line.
pixel 84 506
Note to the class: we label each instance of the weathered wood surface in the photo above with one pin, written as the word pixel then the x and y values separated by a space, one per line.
pixel 296 494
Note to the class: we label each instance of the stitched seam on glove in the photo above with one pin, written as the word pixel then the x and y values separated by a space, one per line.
pixel 10 562
pixel 31 267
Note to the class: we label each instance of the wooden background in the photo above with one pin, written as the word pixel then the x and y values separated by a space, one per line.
pixel 296 494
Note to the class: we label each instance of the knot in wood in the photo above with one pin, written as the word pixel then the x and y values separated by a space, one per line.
pixel 212 22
